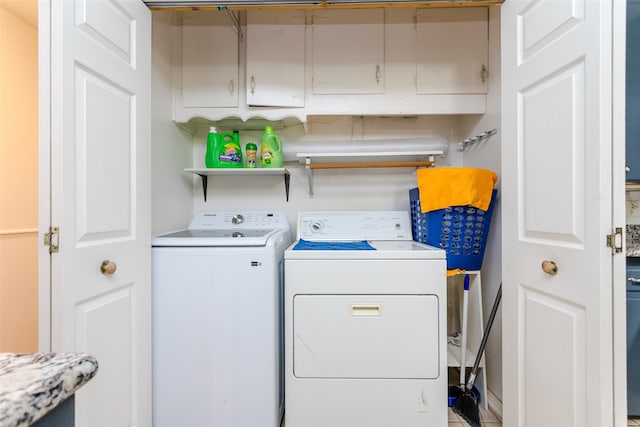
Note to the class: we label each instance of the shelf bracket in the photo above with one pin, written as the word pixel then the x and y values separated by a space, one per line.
pixel 287 181
pixel 205 181
pixel 307 165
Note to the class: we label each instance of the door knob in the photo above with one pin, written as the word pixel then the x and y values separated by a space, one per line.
pixel 549 267
pixel 108 267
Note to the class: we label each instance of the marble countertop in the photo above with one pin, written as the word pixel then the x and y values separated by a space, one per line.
pixel 32 384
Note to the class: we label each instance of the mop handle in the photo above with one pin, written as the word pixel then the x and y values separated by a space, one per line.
pixel 465 321
pixel 485 336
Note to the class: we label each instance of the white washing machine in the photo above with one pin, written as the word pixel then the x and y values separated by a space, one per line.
pixel 365 323
pixel 217 321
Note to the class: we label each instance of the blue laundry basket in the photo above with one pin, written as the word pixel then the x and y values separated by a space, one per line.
pixel 461 231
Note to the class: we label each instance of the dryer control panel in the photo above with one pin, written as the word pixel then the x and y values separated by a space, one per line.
pixel 354 225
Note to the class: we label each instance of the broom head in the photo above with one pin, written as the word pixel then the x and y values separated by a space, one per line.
pixel 466 406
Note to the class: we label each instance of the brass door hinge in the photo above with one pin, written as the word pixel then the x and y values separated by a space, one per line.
pixel 614 241
pixel 51 239
pixel 484 74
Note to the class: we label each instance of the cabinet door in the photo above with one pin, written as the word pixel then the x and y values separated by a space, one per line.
pixel 452 50
pixel 275 58
pixel 209 60
pixel 348 51
pixel 633 91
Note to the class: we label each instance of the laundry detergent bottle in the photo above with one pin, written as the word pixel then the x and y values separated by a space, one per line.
pixel 271 150
pixel 214 145
pixel 230 155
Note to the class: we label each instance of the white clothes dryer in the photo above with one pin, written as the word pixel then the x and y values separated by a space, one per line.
pixel 218 320
pixel 365 323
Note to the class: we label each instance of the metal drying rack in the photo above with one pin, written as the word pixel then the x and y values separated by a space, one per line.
pixel 472 140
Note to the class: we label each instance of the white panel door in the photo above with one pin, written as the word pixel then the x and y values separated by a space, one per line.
pixel 557 203
pixel 100 199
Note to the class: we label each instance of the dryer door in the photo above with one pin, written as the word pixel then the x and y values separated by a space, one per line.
pixel 366 336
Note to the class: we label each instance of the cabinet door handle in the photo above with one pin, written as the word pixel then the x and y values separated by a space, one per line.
pixel 634 281
pixel 230 86
pixel 484 74
pixel 378 73
pixel 253 85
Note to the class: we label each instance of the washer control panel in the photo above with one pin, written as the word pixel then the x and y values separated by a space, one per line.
pixel 354 225
pixel 225 220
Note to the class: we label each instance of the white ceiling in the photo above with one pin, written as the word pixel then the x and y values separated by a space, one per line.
pixel 27 10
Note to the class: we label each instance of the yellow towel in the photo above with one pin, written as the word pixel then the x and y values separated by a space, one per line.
pixel 456 271
pixel 443 187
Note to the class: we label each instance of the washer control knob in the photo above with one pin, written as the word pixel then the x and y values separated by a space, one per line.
pixel 317 226
pixel 237 219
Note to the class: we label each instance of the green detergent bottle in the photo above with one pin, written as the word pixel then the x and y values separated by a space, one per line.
pixel 223 151
pixel 214 143
pixel 230 156
pixel 271 150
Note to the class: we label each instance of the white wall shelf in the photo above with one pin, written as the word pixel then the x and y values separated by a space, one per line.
pixel 205 173
pixel 414 159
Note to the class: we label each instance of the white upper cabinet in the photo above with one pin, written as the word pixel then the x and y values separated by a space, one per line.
pixel 452 50
pixel 275 58
pixel 209 60
pixel 348 51
pixel 277 64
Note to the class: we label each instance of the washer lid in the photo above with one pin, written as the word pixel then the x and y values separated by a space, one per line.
pixel 215 238
pixel 228 228
pixel 383 249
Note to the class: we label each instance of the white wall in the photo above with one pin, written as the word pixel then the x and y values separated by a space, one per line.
pixel 335 189
pixel 486 154
pixel 18 177
pixel 372 189
pixel 171 148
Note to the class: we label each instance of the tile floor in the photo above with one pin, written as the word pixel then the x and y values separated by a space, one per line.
pixel 487 419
